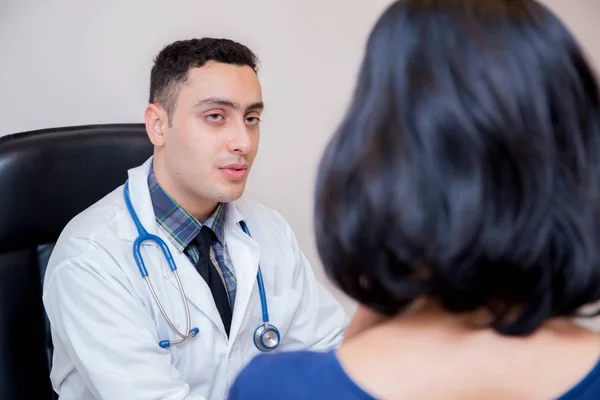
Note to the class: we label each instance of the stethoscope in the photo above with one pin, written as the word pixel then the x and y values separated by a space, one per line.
pixel 266 336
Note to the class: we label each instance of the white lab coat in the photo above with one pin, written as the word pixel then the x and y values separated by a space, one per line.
pixel 106 326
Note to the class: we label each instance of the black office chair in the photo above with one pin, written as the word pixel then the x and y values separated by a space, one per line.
pixel 46 178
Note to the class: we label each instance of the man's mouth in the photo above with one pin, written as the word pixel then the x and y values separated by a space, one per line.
pixel 235 172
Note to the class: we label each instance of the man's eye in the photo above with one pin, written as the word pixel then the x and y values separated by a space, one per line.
pixel 252 120
pixel 215 117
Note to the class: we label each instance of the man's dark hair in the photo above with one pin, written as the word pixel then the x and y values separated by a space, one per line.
pixel 172 64
pixel 467 169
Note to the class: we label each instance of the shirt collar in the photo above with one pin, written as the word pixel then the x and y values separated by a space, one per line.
pixel 181 226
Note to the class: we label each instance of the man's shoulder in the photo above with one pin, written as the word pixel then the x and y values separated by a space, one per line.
pixel 90 227
pixel 96 217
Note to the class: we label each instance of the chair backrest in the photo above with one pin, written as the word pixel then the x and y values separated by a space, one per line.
pixel 46 178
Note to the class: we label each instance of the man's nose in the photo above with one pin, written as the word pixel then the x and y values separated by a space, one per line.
pixel 240 140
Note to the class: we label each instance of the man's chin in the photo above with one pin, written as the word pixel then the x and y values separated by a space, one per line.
pixel 232 195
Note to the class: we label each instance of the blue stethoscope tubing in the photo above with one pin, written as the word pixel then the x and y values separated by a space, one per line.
pixel 266 336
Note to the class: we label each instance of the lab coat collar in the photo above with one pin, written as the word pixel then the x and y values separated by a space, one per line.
pixel 139 195
pixel 142 203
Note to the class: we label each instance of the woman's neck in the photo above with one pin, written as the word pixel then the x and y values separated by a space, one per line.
pixel 438 355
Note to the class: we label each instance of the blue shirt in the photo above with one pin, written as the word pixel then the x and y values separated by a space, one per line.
pixel 297 375
pixel 319 376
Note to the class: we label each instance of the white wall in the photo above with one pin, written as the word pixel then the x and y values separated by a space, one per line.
pixel 83 62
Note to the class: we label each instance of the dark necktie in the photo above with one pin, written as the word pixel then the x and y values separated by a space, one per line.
pixel 209 272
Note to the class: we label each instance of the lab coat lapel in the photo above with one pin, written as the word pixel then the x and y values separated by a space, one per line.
pixel 244 253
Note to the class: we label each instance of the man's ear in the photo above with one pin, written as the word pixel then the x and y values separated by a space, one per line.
pixel 157 121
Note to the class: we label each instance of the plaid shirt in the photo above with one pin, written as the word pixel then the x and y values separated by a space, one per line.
pixel 182 228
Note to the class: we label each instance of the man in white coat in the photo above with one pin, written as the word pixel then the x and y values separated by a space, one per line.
pixel 112 338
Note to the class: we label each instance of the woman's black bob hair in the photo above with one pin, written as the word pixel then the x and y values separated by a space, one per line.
pixel 467 168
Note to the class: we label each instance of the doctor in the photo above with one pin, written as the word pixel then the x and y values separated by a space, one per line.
pixel 166 288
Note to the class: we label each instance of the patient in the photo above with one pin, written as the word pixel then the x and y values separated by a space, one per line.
pixel 459 204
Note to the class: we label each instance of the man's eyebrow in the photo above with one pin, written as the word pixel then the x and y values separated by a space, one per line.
pixel 215 101
pixel 256 106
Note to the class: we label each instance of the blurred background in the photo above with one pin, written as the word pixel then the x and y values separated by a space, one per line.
pixel 79 62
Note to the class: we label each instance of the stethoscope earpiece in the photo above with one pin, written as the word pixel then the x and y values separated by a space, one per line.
pixel 266 336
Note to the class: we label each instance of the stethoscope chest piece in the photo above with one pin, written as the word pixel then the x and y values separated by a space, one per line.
pixel 266 337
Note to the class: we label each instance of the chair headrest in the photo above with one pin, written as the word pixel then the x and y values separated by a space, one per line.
pixel 49 176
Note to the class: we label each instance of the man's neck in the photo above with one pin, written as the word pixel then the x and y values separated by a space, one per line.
pixel 200 209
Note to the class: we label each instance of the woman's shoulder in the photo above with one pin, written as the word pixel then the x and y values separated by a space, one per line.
pixel 294 375
pixel 284 362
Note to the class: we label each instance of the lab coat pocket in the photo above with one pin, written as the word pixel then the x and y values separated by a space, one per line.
pixel 282 310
